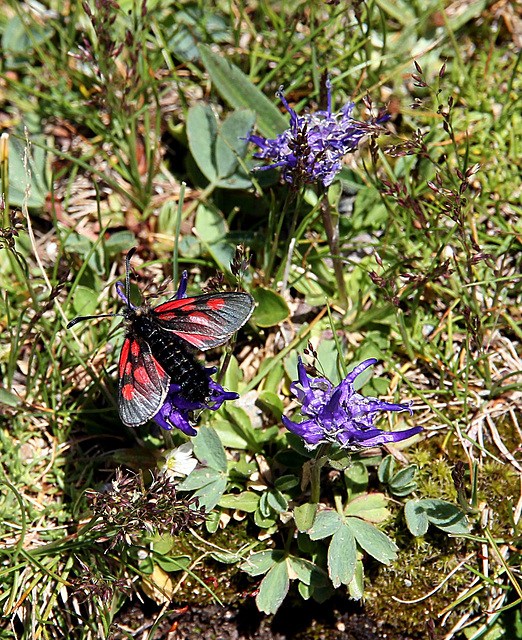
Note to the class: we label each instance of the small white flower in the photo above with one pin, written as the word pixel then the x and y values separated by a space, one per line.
pixel 180 461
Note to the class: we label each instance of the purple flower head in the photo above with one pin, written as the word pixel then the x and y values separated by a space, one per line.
pixel 312 148
pixel 176 411
pixel 341 414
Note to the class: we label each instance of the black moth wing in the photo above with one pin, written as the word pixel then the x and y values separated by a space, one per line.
pixel 143 383
pixel 205 321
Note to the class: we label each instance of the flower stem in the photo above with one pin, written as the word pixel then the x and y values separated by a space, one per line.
pixel 315 478
pixel 331 227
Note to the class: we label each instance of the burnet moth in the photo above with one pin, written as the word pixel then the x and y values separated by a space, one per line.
pixel 157 347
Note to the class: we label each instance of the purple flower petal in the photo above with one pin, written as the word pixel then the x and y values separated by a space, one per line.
pixel 341 414
pixel 312 148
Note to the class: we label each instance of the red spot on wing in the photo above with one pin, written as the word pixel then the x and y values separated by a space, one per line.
pixel 159 368
pixel 127 391
pixel 124 356
pixel 135 349
pixel 216 303
pixel 197 340
pixel 141 375
pixel 128 368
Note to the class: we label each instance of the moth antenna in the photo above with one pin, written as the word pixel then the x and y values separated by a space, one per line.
pixel 127 272
pixel 80 318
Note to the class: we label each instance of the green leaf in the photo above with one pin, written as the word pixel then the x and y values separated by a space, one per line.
pixel 304 516
pixel 8 398
pixel 372 540
pixel 209 450
pixel 34 177
pixel 212 521
pixel 326 523
pixel 328 356
pixel 199 478
pixel 246 501
pixel 236 88
pixel 230 435
pixel 240 419
pixel 277 501
pixel 285 483
pixel 202 134
pixel 403 482
pixel 304 570
pixel 264 522
pixel 342 555
pixel 356 586
pixel 20 38
pixel 356 476
pixel 372 507
pixel 272 402
pixel 261 561
pixel 385 470
pixel 175 563
pixel 273 588
pixel 84 301
pixel 210 494
pixel 232 144
pixel 271 309
pixel 213 233
pixel 445 516
pixel 416 517
pixel 118 242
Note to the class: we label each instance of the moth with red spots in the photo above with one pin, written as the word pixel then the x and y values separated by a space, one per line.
pixel 158 344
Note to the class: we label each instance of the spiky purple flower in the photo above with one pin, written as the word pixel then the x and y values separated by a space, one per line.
pixel 341 414
pixel 312 148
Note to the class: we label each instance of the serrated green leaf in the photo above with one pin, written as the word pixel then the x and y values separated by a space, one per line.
pixel 416 517
pixel 342 556
pixel 372 507
pixel 236 88
pixel 326 523
pixel 261 561
pixel 209 450
pixel 372 540
pixel 246 501
pixel 273 588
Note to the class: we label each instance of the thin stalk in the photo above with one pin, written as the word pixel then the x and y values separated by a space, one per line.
pixel 331 227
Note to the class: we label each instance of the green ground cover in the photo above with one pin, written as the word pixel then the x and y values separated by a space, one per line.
pixel 127 126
